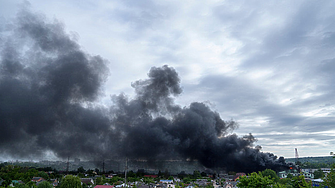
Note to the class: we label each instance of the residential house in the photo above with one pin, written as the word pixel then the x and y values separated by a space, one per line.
pixel 166 181
pixel 54 182
pixel 230 184
pixel 38 180
pixel 14 182
pixel 283 174
pixel 88 181
pixel 238 175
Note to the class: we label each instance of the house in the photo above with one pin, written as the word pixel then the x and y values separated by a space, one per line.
pixel 166 181
pixel 14 182
pixel 283 174
pixel 316 182
pixel 143 186
pixel 230 184
pixel 238 175
pixel 38 180
pixel 87 181
pixel 54 182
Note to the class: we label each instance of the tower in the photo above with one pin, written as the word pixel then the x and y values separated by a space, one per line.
pixel 296 155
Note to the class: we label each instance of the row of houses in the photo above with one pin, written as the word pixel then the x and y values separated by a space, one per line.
pixel 87 181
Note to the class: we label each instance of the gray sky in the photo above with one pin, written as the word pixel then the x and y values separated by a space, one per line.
pixel 266 64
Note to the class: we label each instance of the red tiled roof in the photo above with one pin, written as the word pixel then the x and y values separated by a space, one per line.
pixel 37 179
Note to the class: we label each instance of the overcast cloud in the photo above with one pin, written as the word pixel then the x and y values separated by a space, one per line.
pixel 269 65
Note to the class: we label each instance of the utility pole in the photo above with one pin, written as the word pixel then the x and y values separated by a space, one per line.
pixel 125 173
pixel 103 166
pixel 67 165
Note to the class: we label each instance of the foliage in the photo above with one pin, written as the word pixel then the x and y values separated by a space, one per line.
pixel 314 162
pixel 196 174
pixel 329 179
pixel 99 181
pixel 187 180
pixel 21 186
pixel 147 180
pixel 255 180
pixel 209 186
pixel 43 175
pixel 270 173
pixel 132 179
pixel 44 184
pixel 25 174
pixel 81 170
pixel 318 174
pixel 70 182
pixel 300 182
pixel 284 181
pixel 131 174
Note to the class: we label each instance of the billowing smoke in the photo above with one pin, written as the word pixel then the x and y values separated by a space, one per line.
pixel 48 102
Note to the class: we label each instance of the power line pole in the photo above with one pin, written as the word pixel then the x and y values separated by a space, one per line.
pixel 67 165
pixel 125 173
pixel 103 166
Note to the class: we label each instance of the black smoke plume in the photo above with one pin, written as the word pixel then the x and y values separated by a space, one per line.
pixel 49 89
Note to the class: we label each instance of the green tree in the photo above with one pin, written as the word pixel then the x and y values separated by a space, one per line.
pixel 270 173
pixel 44 184
pixel 81 170
pixel 255 180
pixel 318 174
pixel 43 175
pixel 196 174
pixel 289 176
pixel 329 179
pixel 18 185
pixel 187 180
pixel 31 184
pixel 131 174
pixel 300 182
pixel 99 181
pixel 70 182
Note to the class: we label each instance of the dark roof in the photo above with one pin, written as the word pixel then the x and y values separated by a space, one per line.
pixel 86 180
pixel 143 186
pixel 37 179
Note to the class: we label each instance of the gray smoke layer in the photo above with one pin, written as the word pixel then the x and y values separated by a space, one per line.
pixel 48 93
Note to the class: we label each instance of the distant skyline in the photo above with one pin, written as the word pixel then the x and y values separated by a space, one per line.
pixel 268 65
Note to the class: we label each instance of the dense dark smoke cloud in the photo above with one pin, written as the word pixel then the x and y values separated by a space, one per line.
pixel 46 85
pixel 48 94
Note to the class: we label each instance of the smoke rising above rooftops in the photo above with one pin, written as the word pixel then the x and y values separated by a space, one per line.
pixel 48 92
